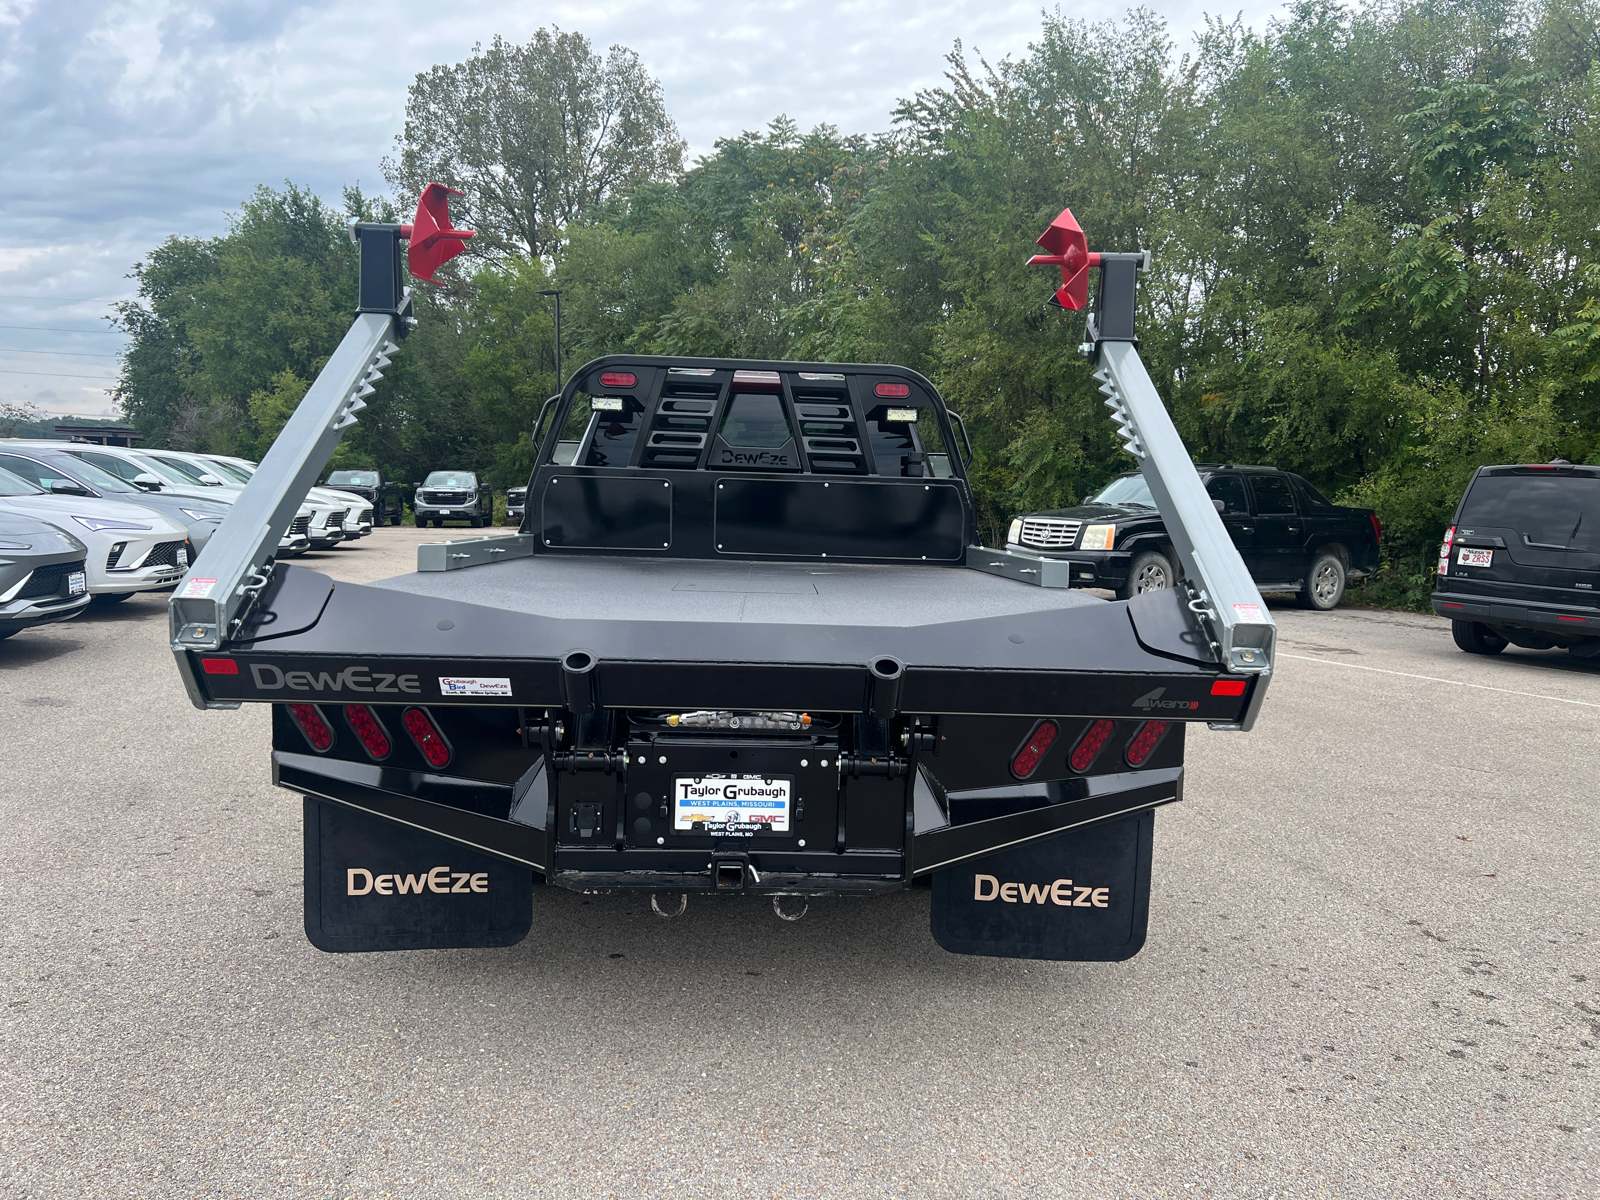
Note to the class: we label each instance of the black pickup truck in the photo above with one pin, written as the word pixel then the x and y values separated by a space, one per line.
pixel 744 642
pixel 388 499
pixel 1291 537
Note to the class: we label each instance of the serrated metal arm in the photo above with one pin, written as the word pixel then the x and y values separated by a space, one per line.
pixel 237 562
pixel 1221 590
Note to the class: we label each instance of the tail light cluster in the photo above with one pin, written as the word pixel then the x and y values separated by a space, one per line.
pixel 1027 759
pixel 369 729
pixel 1444 550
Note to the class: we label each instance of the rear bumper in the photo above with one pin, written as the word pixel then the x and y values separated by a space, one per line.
pixel 1567 620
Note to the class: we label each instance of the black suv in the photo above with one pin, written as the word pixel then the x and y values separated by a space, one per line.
pixel 1291 537
pixel 1521 563
pixel 453 496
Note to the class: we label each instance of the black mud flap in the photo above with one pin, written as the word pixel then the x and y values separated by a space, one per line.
pixel 374 884
pixel 1082 896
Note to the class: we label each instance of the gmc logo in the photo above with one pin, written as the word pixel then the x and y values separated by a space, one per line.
pixel 352 679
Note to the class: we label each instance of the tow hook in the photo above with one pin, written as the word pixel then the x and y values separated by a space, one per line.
pixel 683 906
pixel 777 907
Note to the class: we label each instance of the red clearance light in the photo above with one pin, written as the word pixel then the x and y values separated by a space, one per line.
pixel 1040 739
pixel 219 666
pixel 893 391
pixel 314 725
pixel 369 731
pixel 1145 742
pixel 618 379
pixel 1093 741
pixel 427 736
pixel 1228 687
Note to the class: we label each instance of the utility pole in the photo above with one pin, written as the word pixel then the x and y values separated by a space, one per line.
pixel 557 295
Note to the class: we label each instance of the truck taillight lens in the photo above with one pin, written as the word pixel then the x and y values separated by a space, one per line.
pixel 1444 550
pixel 618 379
pixel 1040 739
pixel 1145 742
pixel 1377 528
pixel 314 725
pixel 364 723
pixel 893 391
pixel 1093 741
pixel 419 725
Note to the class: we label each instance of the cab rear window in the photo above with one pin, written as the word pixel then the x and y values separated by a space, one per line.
pixel 1550 510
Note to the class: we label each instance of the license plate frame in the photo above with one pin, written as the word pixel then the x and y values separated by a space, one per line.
pixel 761 804
pixel 1468 556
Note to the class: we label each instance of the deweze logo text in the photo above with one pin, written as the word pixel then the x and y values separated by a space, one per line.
pixel 359 882
pixel 1153 700
pixel 1062 892
pixel 352 679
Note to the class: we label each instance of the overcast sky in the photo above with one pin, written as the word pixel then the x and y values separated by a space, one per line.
pixel 128 122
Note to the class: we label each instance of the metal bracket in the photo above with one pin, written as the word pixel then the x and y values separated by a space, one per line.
pixel 475 552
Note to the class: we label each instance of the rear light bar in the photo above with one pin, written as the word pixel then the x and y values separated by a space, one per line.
pixel 369 731
pixel 1093 741
pixel 425 734
pixel 1145 741
pixel 314 725
pixel 893 391
pixel 618 379
pixel 1040 738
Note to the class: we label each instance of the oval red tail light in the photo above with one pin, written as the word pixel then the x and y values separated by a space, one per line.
pixel 1026 760
pixel 419 725
pixel 1093 741
pixel 1145 741
pixel 369 731
pixel 314 725
pixel 618 379
pixel 893 391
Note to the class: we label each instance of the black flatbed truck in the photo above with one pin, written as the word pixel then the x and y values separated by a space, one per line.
pixel 744 641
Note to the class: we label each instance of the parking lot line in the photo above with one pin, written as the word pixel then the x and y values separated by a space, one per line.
pixel 1483 687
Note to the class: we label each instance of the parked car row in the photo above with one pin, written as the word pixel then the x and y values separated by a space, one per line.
pixel 82 523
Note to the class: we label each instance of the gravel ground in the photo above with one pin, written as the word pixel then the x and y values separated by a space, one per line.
pixel 1372 971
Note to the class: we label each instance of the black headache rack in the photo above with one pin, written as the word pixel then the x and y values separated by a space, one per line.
pixel 743 641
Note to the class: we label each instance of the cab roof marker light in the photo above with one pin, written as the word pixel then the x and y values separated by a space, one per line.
pixel 369 731
pixel 618 379
pixel 892 391
pixel 426 736
pixel 219 666
pixel 821 377
pixel 318 733
pixel 768 377
pixel 1040 738
pixel 1093 741
pixel 1145 741
pixel 697 371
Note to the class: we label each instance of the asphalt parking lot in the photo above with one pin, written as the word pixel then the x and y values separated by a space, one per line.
pixel 1372 971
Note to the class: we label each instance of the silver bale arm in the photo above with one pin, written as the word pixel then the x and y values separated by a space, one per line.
pixel 1221 592
pixel 215 596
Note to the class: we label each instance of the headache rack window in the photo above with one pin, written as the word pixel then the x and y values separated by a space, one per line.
pixel 613 431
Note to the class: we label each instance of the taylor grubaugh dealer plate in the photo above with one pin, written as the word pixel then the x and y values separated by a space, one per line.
pixel 731 803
